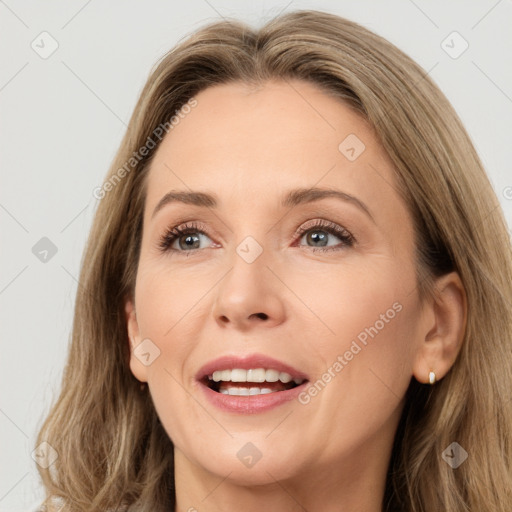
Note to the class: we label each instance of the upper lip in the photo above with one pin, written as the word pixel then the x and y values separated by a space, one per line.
pixel 230 362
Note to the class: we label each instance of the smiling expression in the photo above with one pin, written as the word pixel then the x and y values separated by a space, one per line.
pixel 273 237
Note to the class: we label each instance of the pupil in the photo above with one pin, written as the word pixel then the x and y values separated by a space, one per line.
pixel 191 241
pixel 315 237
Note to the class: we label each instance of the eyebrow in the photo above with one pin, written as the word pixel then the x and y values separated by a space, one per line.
pixel 292 198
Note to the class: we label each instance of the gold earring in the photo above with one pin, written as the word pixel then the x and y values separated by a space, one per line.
pixel 431 378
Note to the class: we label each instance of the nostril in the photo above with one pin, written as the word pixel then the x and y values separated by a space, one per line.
pixel 263 316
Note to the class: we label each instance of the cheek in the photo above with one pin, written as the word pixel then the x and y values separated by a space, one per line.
pixel 357 299
pixel 164 301
pixel 365 320
pixel 168 304
pixel 167 296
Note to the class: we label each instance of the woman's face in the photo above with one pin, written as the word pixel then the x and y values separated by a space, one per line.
pixel 275 276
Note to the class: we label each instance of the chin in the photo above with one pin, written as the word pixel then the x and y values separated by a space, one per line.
pixel 247 463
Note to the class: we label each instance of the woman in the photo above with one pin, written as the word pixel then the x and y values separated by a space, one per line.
pixel 338 335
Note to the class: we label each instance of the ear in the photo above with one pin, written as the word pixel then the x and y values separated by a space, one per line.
pixel 442 339
pixel 136 367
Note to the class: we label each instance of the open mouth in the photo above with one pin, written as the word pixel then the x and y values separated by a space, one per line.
pixel 257 381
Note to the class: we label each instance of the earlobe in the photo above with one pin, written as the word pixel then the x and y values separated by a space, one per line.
pixel 132 327
pixel 442 340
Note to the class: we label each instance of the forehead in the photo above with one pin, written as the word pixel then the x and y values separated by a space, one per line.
pixel 249 145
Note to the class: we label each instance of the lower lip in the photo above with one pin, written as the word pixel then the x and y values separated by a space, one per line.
pixel 251 404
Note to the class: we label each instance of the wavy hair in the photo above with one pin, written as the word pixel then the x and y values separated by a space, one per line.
pixel 113 451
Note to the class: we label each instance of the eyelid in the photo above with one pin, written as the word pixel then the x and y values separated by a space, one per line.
pixel 322 223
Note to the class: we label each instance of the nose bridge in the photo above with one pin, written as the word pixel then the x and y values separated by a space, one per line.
pixel 248 291
pixel 248 275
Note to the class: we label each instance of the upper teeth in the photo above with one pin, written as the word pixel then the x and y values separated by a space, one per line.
pixel 253 375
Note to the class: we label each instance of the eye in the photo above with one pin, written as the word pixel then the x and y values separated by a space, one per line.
pixel 187 238
pixel 318 232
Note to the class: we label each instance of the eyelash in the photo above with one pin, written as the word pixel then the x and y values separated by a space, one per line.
pixel 347 240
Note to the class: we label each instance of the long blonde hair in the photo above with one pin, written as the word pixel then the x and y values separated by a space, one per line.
pixel 113 453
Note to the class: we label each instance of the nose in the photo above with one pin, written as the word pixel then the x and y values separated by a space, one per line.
pixel 249 295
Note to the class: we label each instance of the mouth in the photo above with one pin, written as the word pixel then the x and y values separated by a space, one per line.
pixel 249 375
pixel 250 382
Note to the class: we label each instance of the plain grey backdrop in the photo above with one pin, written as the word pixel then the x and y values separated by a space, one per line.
pixel 70 74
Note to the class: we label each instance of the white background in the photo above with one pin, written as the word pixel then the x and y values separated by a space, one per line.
pixel 62 119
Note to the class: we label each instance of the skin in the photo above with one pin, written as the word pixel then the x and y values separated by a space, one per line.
pixel 249 146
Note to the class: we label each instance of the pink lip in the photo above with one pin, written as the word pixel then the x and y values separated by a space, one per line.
pixel 245 363
pixel 251 404
pixel 254 403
